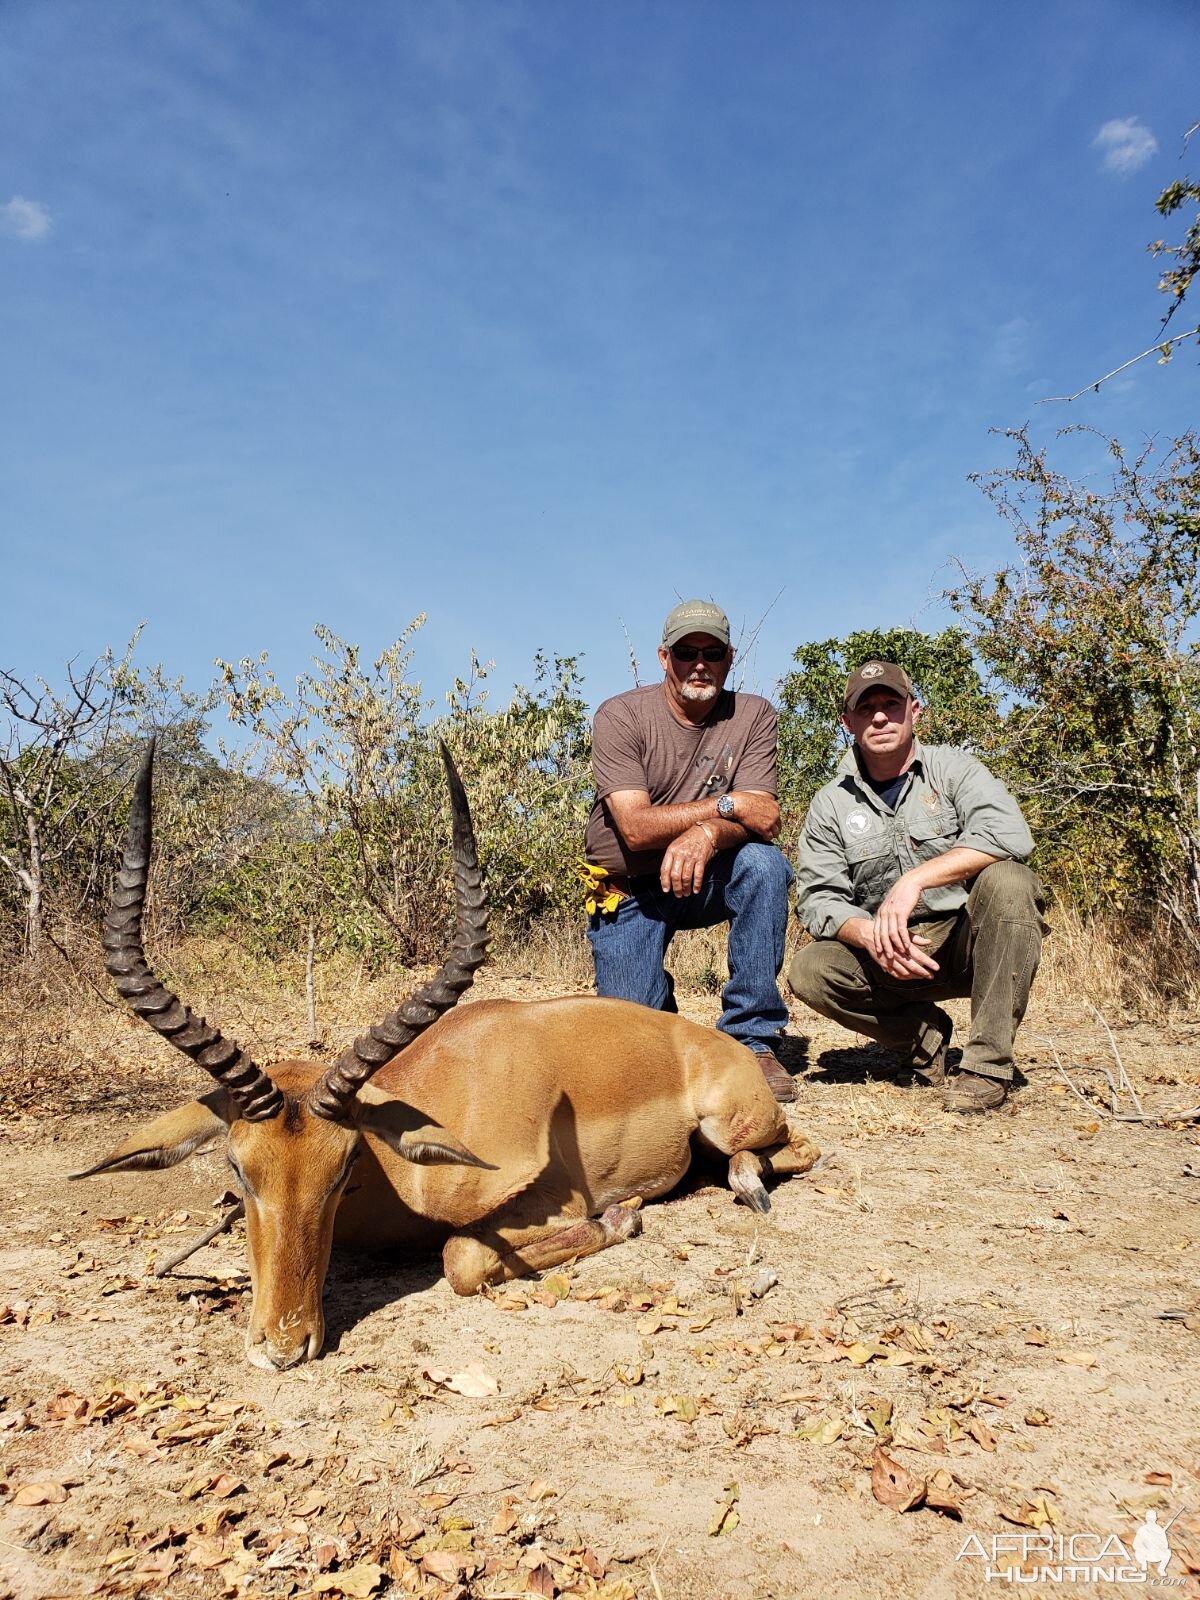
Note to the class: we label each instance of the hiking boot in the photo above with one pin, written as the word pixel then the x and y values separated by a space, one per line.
pixel 929 1072
pixel 972 1091
pixel 779 1080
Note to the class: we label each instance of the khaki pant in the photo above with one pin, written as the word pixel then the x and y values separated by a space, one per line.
pixel 989 951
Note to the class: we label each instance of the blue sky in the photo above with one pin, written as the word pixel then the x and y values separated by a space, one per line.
pixel 537 317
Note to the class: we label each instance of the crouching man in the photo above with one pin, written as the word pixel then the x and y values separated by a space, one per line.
pixel 911 880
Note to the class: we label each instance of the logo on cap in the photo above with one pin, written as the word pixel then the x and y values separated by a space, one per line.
pixel 870 672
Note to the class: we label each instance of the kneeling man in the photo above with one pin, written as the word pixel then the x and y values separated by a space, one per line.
pixel 680 834
pixel 911 881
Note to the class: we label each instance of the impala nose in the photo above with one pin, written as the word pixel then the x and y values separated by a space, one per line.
pixel 272 1357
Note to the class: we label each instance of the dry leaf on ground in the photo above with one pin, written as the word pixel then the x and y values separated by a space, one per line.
pixel 359 1581
pixel 472 1381
pixel 894 1485
pixel 942 1493
pixel 981 1433
pixel 725 1519
pixel 1033 1512
pixel 43 1492
pixel 825 1429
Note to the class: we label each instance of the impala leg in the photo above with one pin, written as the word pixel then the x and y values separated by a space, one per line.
pixel 469 1263
pixel 796 1154
pixel 748 1168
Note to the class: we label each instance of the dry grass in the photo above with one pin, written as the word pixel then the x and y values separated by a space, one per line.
pixel 555 952
pixel 64 1037
pixel 1117 969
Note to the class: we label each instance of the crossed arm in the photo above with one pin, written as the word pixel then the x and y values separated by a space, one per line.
pixel 887 936
pixel 690 834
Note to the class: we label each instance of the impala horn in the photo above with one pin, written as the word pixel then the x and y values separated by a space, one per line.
pixel 332 1097
pixel 256 1096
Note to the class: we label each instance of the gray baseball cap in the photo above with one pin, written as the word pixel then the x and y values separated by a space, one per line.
pixel 695 616
pixel 876 675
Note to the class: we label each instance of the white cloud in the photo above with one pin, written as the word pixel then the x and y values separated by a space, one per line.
pixel 1012 344
pixel 1126 143
pixel 25 219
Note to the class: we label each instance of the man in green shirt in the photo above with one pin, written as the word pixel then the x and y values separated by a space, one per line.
pixel 911 881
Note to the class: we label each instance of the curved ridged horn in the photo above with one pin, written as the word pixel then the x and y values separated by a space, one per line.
pixel 256 1096
pixel 333 1096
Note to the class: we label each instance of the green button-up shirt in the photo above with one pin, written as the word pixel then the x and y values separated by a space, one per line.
pixel 853 847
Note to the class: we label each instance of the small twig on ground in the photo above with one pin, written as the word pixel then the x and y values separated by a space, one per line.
pixel 226 1222
pixel 654 1568
pixel 1078 1093
pixel 1120 1064
pixel 864 1296
pixel 1190 1115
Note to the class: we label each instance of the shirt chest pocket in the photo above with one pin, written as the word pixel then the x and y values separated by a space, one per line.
pixel 861 851
pixel 873 867
pixel 933 833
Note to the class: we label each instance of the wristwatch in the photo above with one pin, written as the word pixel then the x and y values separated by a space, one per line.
pixel 726 807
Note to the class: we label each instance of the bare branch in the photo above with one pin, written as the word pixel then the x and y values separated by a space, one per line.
pixel 226 1222
pixel 1114 1115
pixel 633 661
pixel 1090 388
pixel 1128 1087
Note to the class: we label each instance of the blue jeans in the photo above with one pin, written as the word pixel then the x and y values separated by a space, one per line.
pixel 748 888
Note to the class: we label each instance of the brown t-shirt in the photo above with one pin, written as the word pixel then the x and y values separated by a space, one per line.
pixel 639 743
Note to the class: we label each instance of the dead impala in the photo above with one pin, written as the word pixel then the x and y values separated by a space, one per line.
pixel 509 1134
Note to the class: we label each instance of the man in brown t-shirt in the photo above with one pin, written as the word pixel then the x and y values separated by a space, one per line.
pixel 685 811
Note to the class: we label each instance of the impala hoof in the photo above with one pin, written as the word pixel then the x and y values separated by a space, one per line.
pixel 745 1179
pixel 622 1222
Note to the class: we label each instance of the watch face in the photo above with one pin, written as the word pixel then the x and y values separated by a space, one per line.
pixel 725 806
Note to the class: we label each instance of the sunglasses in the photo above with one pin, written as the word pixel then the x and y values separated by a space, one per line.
pixel 710 652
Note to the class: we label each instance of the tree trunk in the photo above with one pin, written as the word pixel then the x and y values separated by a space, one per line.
pixel 310 994
pixel 33 921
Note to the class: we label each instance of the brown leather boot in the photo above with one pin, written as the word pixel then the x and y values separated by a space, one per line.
pixel 930 1071
pixel 779 1080
pixel 971 1091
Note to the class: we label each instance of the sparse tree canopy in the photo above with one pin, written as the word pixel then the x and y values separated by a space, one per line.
pixel 1185 256
pixel 1091 637
pixel 356 747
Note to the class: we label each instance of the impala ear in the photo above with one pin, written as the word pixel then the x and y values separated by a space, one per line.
pixel 171 1138
pixel 411 1135
pixel 432 1145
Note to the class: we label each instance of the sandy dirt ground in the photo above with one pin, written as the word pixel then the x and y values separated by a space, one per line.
pixel 1006 1307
